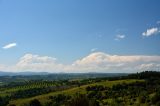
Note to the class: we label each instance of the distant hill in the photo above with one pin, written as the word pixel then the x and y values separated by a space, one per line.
pixel 6 73
pixel 90 74
pixel 10 76
pixel 2 73
pixel 147 75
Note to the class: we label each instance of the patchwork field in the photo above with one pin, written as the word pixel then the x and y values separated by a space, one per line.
pixel 141 89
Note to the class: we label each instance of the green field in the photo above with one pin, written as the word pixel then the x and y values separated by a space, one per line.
pixel 29 85
pixel 72 91
pixel 140 89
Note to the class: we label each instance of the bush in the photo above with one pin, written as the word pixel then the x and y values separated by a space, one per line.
pixel 142 99
pixel 4 101
pixel 79 100
pixel 35 102
pixel 156 98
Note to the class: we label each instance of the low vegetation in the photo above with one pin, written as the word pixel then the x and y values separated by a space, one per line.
pixel 140 89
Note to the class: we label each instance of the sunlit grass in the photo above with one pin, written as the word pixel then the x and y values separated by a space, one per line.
pixel 43 98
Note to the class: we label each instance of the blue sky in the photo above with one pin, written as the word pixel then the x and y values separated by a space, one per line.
pixel 69 30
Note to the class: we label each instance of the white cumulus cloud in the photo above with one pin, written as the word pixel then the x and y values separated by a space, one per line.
pixel 151 31
pixel 8 46
pixel 30 62
pixel 94 62
pixel 116 63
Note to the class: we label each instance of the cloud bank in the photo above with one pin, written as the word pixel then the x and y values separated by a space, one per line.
pixel 94 62
pixel 8 46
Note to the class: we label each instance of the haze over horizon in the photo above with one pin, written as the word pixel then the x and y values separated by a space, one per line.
pixel 79 36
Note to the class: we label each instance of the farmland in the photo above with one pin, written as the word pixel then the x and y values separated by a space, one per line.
pixel 131 90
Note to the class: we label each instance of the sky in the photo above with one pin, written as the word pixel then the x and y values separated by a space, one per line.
pixel 79 35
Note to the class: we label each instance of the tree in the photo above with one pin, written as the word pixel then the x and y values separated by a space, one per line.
pixel 35 102
pixel 79 100
pixel 156 98
pixel 4 101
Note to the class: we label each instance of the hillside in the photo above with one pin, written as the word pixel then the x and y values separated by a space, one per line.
pixel 132 90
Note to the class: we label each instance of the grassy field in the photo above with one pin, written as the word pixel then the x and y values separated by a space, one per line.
pixel 8 91
pixel 72 91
